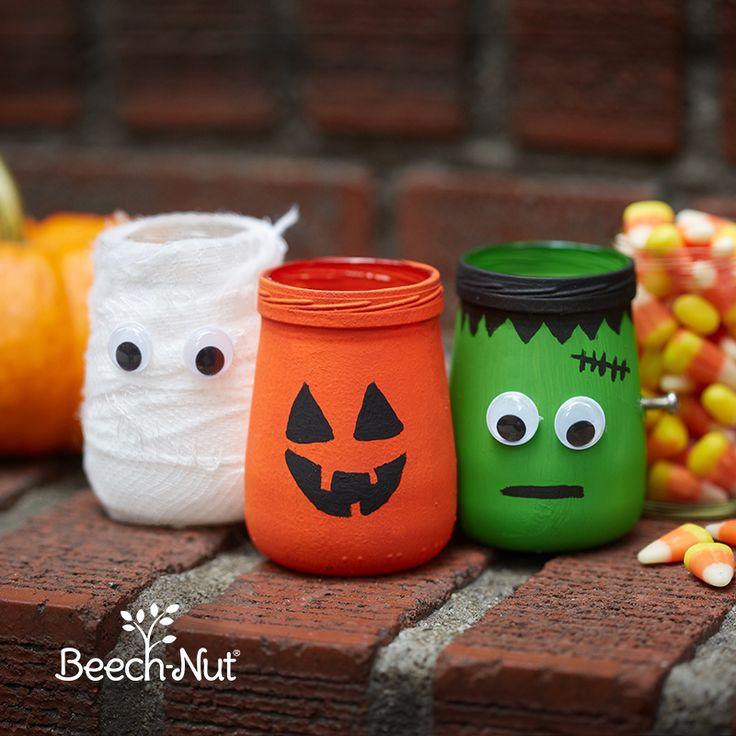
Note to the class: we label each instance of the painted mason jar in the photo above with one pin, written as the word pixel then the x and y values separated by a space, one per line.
pixel 350 464
pixel 170 363
pixel 545 396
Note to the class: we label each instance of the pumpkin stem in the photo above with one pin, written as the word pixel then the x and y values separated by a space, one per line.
pixel 11 206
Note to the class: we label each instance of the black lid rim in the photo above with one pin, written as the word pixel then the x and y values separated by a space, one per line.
pixel 546 294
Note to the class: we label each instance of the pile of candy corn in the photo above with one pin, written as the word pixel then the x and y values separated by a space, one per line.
pixel 685 320
pixel 712 562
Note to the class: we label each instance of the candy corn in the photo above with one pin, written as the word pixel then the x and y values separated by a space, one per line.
pixel 696 313
pixel 684 316
pixel 696 232
pixel 720 402
pixel 672 546
pixel 664 238
pixel 728 345
pixel 712 562
pixel 641 217
pixel 689 354
pixel 674 483
pixel 668 438
pixel 695 417
pixel 676 384
pixel 653 323
pixel 724 241
pixel 650 368
pixel 722 295
pixel 724 531
pixel 713 458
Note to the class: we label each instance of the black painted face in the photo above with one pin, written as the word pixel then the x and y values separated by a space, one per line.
pixel 376 421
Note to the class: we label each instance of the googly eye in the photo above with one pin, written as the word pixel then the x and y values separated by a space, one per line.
pixel 208 352
pixel 512 418
pixel 580 422
pixel 130 347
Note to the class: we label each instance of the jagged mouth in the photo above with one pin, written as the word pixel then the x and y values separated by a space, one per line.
pixel 346 489
pixel 546 492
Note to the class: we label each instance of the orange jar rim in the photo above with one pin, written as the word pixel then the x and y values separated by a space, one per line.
pixel 350 292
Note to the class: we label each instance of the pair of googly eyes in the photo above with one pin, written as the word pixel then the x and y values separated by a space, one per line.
pixel 513 419
pixel 207 352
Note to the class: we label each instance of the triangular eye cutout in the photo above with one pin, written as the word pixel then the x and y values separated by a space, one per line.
pixel 377 420
pixel 307 423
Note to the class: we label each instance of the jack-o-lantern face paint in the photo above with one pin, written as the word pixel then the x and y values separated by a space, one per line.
pixel 350 467
pixel 545 394
pixel 376 421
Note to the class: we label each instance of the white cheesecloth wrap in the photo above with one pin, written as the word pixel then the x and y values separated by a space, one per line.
pixel 165 444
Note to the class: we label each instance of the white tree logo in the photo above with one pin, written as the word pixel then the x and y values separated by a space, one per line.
pixel 138 669
pixel 160 618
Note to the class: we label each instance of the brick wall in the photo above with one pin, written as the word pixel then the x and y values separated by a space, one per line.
pixel 403 127
pixel 474 642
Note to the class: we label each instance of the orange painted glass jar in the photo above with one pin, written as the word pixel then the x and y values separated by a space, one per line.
pixel 350 464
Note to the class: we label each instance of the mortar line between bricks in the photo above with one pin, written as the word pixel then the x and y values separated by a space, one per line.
pixel 137 708
pixel 400 686
pixel 40 498
pixel 693 701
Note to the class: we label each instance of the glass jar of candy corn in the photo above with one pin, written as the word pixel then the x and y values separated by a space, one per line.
pixel 685 320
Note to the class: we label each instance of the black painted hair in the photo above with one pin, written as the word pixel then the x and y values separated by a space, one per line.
pixel 561 303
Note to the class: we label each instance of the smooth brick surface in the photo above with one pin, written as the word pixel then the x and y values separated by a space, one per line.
pixel 195 64
pixel 40 70
pixel 385 67
pixel 580 648
pixel 65 575
pixel 443 214
pixel 306 646
pixel 598 76
pixel 335 200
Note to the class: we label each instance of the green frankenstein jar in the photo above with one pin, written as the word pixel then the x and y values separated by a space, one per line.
pixel 545 396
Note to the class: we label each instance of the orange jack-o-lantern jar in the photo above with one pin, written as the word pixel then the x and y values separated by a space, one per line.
pixel 350 467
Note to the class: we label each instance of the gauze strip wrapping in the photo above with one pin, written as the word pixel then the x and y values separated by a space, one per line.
pixel 165 444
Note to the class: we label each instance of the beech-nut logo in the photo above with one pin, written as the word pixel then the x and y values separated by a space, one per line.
pixel 147 667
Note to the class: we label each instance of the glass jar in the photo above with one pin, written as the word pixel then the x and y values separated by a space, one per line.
pixel 545 396
pixel 685 321
pixel 350 466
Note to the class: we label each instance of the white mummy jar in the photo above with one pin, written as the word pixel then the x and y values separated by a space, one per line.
pixel 170 362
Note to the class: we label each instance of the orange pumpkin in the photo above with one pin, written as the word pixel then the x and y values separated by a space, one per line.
pixel 43 333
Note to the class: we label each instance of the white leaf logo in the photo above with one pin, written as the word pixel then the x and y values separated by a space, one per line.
pixel 166 621
pixel 168 639
pixel 126 616
pixel 140 616
pixel 128 627
pixel 173 608
pixel 154 610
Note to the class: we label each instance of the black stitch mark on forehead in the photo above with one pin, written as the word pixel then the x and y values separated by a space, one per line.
pixel 602 364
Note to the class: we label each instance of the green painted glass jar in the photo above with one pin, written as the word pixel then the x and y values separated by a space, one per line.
pixel 545 396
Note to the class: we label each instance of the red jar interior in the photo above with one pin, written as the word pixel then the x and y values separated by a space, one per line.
pixel 349 274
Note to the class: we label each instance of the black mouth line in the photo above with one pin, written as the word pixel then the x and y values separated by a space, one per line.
pixel 547 492
pixel 345 489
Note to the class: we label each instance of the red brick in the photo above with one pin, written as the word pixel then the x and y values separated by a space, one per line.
pixel 306 646
pixel 727 48
pixel 442 214
pixel 598 76
pixel 17 477
pixel 336 200
pixel 65 575
pixel 582 647
pixel 195 64
pixel 40 70
pixel 386 67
